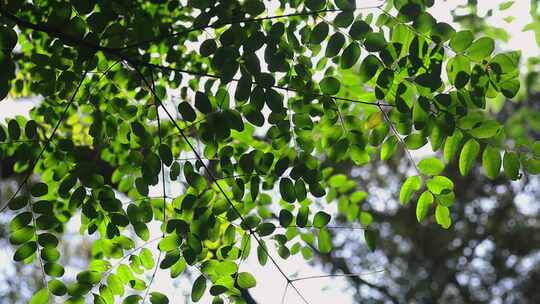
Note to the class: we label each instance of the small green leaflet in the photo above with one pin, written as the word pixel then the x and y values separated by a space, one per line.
pixel 423 204
pixel 511 165
pixel 320 219
pixel 431 166
pixel 409 187
pixel 461 41
pixel 330 85
pixel 246 280
pixel 442 216
pixel 481 48
pixel 324 241
pixel 440 184
pixel 370 236
pixel 40 297
pixel 199 286
pixel 468 155
pixel 491 162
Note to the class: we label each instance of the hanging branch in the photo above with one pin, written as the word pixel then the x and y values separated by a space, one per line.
pixel 211 175
pixel 407 152
pixel 339 275
pixel 47 143
pixel 164 196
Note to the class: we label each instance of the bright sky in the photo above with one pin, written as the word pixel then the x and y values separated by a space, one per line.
pixel 271 284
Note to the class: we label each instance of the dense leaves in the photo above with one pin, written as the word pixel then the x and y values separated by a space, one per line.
pixel 252 124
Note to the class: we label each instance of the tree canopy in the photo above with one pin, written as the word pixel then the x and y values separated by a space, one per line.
pixel 226 125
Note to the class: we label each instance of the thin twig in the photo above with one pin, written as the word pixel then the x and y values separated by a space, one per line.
pixel 339 275
pixel 214 179
pixel 164 197
pixel 407 152
pixel 46 145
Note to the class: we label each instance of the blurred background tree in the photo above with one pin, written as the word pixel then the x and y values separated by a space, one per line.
pixel 492 254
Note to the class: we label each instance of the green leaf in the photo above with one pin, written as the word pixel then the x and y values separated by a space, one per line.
pixel 147 259
pixel 165 154
pixel 468 155
pixel 8 39
pixel 202 103
pixel 196 181
pixel 40 297
pixel 31 129
pixel 57 288
pixel 330 85
pixel 300 190
pixel 39 189
pixel 25 251
pixel 208 47
pixel 116 285
pixel 491 162
pixel 335 43
pixel 443 31
pixel 409 187
pixel 415 141
pixel 199 286
pixel 18 202
pixel 286 189
pixel 302 216
pixel 324 241
pixel 510 87
pixel 359 30
pixel 422 206
pixel 346 4
pixel 374 42
pixel 511 165
pixel 14 130
pixel 320 219
pixel 246 280
pixel 158 298
pixel 461 41
pixel 47 240
pixel 451 146
pixel 506 5
pixel 187 112
pixel 265 229
pixel 486 129
pixel 350 56
pixel 285 218
pixel 431 166
pixel 54 269
pixel 132 299
pixel 481 48
pixel 22 235
pixel 368 68
pixel 389 147
pixel 442 216
pixel 370 236
pixel 440 184
pixel 315 5
pixel 319 33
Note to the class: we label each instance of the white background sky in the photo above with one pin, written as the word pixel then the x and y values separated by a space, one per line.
pixel 271 284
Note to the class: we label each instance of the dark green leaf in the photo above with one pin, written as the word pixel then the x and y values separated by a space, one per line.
pixel 330 85
pixel 286 189
pixel 199 286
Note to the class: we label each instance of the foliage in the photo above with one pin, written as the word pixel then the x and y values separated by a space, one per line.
pixel 261 103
